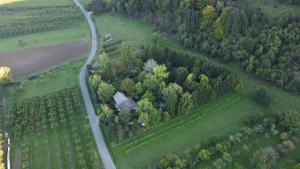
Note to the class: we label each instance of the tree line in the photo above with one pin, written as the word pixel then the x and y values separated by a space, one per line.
pixel 230 30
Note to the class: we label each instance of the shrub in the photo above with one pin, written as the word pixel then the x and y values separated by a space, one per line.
pixel 262 96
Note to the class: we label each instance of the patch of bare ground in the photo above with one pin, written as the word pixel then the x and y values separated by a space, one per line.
pixel 28 61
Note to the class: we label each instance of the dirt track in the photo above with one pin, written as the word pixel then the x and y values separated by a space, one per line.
pixel 28 61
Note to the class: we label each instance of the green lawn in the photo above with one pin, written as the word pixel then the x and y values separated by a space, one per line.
pixel 220 117
pixel 275 9
pixel 64 76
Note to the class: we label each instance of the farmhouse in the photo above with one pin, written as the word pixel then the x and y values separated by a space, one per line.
pixel 122 102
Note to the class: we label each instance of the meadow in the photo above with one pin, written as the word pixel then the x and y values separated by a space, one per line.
pixel 219 118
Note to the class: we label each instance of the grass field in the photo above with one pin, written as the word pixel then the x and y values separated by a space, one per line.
pixel 220 117
pixel 52 80
pixel 275 9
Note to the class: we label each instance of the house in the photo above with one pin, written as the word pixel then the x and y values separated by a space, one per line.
pixel 122 102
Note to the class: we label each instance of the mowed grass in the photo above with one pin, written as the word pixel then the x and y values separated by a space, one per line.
pixel 64 76
pixel 220 117
pixel 275 9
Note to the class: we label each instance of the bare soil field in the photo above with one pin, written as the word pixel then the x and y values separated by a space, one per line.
pixel 28 61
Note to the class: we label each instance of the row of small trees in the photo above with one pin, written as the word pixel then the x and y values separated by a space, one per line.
pixel 38 20
pixel 33 115
pixel 219 153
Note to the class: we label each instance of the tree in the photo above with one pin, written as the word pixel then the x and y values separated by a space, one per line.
pixel 95 80
pixel 208 14
pixel 297 166
pixel 172 161
pixel 5 75
pixel 151 83
pixel 204 154
pixel 124 117
pixel 160 72
pixel 186 103
pixel 219 164
pixel 128 85
pixel 204 79
pixel 127 54
pixel 260 160
pixel 150 96
pixel 181 74
pixel 107 69
pixel 106 114
pixel 262 96
pixel 202 93
pixel 289 120
pixel 147 113
pixel 105 92
pixel 171 96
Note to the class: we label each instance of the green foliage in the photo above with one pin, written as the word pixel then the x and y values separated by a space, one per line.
pixel 127 54
pixel 160 72
pixel 172 161
pixel 128 85
pixel 208 14
pixel 171 95
pixel 181 74
pixel 186 103
pixel 297 166
pixel 106 114
pixel 204 154
pixel 260 160
pixel 289 120
pixel 105 92
pixel 262 96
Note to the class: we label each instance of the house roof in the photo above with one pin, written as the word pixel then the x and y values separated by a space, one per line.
pixel 123 102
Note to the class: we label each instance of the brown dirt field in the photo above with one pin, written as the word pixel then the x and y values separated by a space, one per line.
pixel 28 61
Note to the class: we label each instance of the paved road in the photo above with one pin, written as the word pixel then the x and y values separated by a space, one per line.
pixel 94 121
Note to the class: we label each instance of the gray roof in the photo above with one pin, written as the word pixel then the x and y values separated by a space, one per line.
pixel 122 102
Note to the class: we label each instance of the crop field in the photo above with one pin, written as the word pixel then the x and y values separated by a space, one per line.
pixel 52 132
pixel 222 117
pixel 32 23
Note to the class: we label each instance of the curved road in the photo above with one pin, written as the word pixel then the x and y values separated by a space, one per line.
pixel 94 120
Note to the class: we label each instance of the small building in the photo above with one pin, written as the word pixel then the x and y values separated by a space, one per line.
pixel 123 103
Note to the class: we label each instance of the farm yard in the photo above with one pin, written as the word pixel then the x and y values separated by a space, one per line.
pixel 222 117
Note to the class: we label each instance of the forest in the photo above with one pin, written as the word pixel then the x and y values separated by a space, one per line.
pixel 232 31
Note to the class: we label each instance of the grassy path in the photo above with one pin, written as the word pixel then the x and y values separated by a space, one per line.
pixel 220 117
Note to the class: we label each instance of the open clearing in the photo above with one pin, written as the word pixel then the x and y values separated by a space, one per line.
pixel 28 61
pixel 220 117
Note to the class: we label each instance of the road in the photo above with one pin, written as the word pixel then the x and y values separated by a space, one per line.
pixel 93 119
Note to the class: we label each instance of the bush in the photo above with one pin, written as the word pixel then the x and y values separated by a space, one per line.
pixel 261 96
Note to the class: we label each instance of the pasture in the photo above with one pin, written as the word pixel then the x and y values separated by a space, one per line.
pixel 221 117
